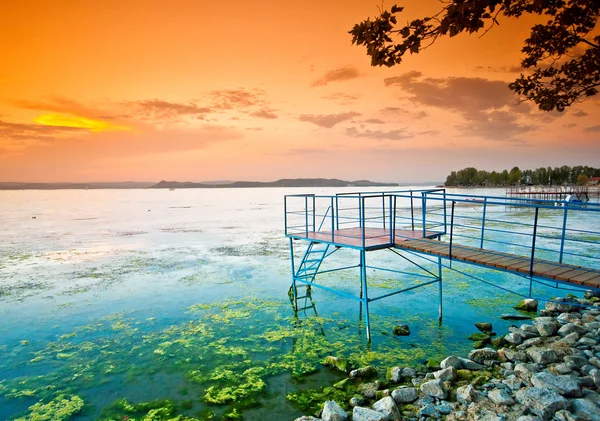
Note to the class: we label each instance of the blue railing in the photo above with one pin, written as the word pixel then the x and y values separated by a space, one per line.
pixel 569 233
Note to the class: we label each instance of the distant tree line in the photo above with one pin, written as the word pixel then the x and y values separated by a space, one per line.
pixel 565 175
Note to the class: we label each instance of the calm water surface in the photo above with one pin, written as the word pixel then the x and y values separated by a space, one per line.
pixel 113 299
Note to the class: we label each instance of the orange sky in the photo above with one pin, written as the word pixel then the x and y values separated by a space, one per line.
pixel 259 90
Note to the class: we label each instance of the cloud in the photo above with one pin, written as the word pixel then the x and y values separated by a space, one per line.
pixel 20 134
pixel 254 128
pixel 592 129
pixel 328 120
pixel 264 113
pixel 580 113
pixel 342 98
pixel 374 121
pixel 392 110
pixel 501 69
pixel 160 109
pixel 570 125
pixel 337 75
pixel 489 108
pixel 59 104
pixel 61 120
pixel 227 99
pixel 397 134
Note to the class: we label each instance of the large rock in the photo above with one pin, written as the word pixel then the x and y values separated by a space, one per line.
pixel 434 388
pixel 469 364
pixel 466 394
pixel 307 418
pixel 404 395
pixel 565 385
pixel 339 363
pixel 515 317
pixel 369 390
pixel 514 338
pixel 542 355
pixel 586 409
pixel 387 407
pixel 561 305
pixel 546 326
pixel 483 354
pixel 527 304
pixel 500 397
pixel 365 414
pixel 542 402
pixel 363 373
pixel 484 327
pixel 333 412
pixel 452 361
pixel 445 374
pixel 507 354
pixel 394 375
pixel 401 330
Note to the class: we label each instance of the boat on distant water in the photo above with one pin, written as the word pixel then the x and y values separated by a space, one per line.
pixel 171 189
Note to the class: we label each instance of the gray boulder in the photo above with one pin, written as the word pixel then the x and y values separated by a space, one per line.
pixel 409 373
pixel 565 385
pixel 395 375
pixel 363 373
pixel 307 418
pixel 468 364
pixel 445 374
pixel 528 304
pixel 365 414
pixel 387 406
pixel 369 390
pixel 434 388
pixel 546 326
pixel 541 402
pixel 528 418
pixel 404 395
pixel 484 327
pixel 466 394
pixel 542 355
pixel 586 409
pixel 452 361
pixel 428 411
pixel 480 355
pixel 333 412
pixel 500 397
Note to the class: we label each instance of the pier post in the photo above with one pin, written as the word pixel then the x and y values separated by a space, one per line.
pixel 440 284
pixel 294 290
pixel 365 296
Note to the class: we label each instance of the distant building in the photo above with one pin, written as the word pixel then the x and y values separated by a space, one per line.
pixel 594 181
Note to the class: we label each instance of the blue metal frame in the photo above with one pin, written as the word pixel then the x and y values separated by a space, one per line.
pixel 473 222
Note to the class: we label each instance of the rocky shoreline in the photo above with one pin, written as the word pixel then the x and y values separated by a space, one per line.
pixel 546 370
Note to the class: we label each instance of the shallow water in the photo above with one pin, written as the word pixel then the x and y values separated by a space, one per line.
pixel 183 295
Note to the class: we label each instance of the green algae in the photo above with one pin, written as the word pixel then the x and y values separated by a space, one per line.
pixel 61 408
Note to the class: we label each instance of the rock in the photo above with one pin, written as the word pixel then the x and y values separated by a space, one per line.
pixel 527 304
pixel 587 342
pixel 444 409
pixel 530 329
pixel 307 418
pixel 566 329
pixel 500 397
pixel 568 317
pixel 401 330
pixel 561 305
pixel 591 294
pixel 404 395
pixel 542 355
pixel 466 394
pixel 562 368
pixel 513 382
pixel 452 361
pixel 565 385
pixel 387 407
pixel 513 338
pixel 434 388
pixel 542 402
pixel 480 355
pixel 365 414
pixel 447 374
pixel 363 373
pixel 368 390
pixel 357 401
pixel 468 364
pixel 484 327
pixel 508 354
pixel 428 411
pixel 515 317
pixel 546 326
pixel 586 409
pixel 564 415
pixel 339 363
pixel 595 376
pixel 575 359
pixel 394 375
pixel 409 373
pixel 528 418
pixel 333 412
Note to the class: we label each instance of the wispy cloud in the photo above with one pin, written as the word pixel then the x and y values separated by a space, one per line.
pixel 579 113
pixel 337 75
pixel 265 113
pixel 374 121
pixel 500 69
pixel 328 120
pixel 19 134
pixel 227 99
pixel 61 120
pixel 342 98
pixel 396 134
pixel 166 110
pixel 592 129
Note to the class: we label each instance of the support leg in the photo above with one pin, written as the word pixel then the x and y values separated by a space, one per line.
pixel 293 286
pixel 365 297
pixel 530 286
pixel 440 284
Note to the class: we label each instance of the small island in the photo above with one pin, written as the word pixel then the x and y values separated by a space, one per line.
pixel 284 182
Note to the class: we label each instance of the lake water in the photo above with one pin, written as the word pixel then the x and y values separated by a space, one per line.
pixel 148 304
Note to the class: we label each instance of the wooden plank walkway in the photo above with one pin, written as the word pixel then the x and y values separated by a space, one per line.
pixel 374 237
pixel 570 274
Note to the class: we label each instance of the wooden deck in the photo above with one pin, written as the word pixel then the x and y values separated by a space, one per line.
pixel 575 275
pixel 374 237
